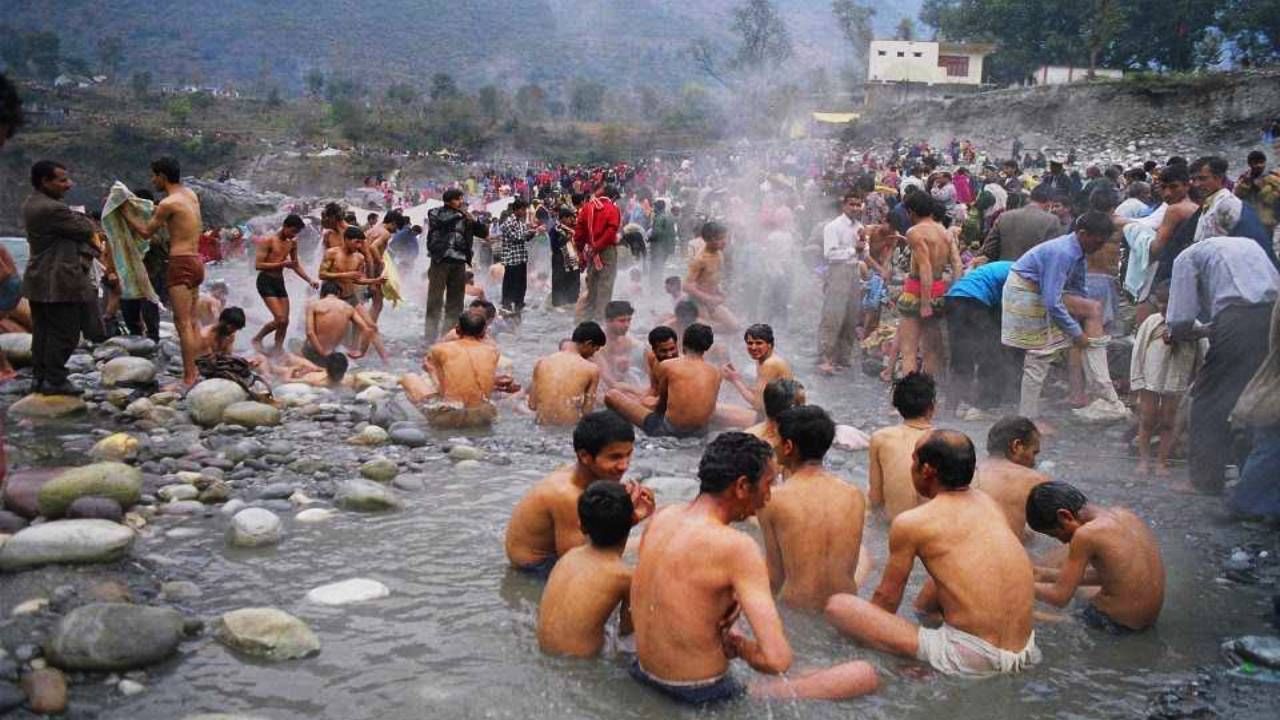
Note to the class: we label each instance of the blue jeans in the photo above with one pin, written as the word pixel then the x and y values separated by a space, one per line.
pixel 1258 492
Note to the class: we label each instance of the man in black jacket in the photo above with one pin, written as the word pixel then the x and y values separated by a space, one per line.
pixel 58 281
pixel 450 231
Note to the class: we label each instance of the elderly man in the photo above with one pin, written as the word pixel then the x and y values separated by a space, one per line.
pixel 1044 304
pixel 58 281
pixel 1228 283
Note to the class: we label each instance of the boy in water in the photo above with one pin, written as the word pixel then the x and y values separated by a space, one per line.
pixel 889 455
pixel 779 395
pixel 1160 372
pixel 590 581
pixel 812 526
pixel 1007 474
pixel 706 272
pixel 1110 548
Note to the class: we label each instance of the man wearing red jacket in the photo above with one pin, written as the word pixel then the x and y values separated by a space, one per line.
pixel 596 237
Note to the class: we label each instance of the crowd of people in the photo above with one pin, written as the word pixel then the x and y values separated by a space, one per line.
pixel 947 275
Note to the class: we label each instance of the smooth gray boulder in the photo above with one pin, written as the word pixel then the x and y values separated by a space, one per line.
pixel 114 637
pixel 66 541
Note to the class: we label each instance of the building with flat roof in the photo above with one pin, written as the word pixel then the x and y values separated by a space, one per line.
pixel 929 63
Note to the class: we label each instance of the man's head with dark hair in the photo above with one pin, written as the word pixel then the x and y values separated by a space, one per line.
pixel 780 395
pixel 471 324
pixel 1054 508
pixel 330 287
pixel 1093 230
pixel 698 338
pixel 50 177
pixel 1016 439
pixel 686 312
pixel 165 168
pixel 611 191
pixel 714 231
pixel 1208 175
pixel 919 205
pixel 1256 157
pixel 335 367
pixel 739 468
pixel 914 395
pixel 293 221
pixel 1139 189
pixel 664 343
pixel 10 110
pixel 1104 200
pixel 488 309
pixel 1044 194
pixel 331 215
pixel 759 331
pixel 604 512
pixel 452 197
pixel 618 308
pixel 230 320
pixel 603 442
pixel 807 432
pixel 659 206
pixel 589 338
pixel 943 460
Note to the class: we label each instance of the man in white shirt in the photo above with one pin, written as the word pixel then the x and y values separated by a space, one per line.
pixel 842 242
pixel 1220 208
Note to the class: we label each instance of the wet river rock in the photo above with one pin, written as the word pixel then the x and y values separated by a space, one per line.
pixel 114 637
pixel 16 348
pixel 251 414
pixel 128 370
pixel 113 480
pixel 254 527
pixel 95 508
pixel 209 399
pixel 46 690
pixel 66 541
pixel 366 496
pixel 21 490
pixel 134 345
pixel 266 633
pixel 380 469
pixel 47 406
pixel 116 447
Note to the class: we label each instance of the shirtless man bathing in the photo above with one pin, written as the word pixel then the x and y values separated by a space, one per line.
pixel 889 456
pixel 812 526
pixel 274 255
pixel 687 390
pixel 179 214
pixel 329 320
pixel 346 265
pixel 464 373
pixel 770 366
pixel 1113 559
pixel 563 387
pixel 545 525
pixel 1008 472
pixel 706 273
pixel 696 574
pixel 979 575
pixel 932 249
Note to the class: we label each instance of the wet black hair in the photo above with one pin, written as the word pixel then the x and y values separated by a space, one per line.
pixel 1046 499
pixel 10 107
pixel 661 334
pixel 490 310
pixel 168 168
pixel 44 170
pixel 1104 200
pixel 919 204
pixel 230 320
pixel 730 456
pixel 335 366
pixel 780 395
pixel 1175 173
pixel 330 287
pixel 810 428
pixel 599 429
pixel 914 394
pixel 332 211
pixel 698 338
pixel 618 308
pixel 1096 223
pixel 1007 429
pixel 354 233
pixel 471 324
pixel 686 310
pixel 591 332
pixel 1256 156
pixel 293 221
pixel 604 512
pixel 759 331
pixel 519 203
pixel 451 194
pixel 951 454
pixel 712 230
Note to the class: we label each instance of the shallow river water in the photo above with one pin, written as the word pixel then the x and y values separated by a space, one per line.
pixel 455 639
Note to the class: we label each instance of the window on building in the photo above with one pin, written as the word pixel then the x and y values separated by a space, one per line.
pixel 881 53
pixel 901 54
pixel 956 65
pixel 918 54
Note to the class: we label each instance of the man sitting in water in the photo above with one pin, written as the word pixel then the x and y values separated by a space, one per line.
pixel 328 320
pixel 979 575
pixel 1110 548
pixel 590 581
pixel 696 573
pixel 544 525
pixel 1007 474
pixel 687 390
pixel 220 338
pixel 563 388
pixel 770 366
pixel 465 374
pixel 663 345
pixel 889 455
pixel 812 526
pixel 622 352
pixel 779 395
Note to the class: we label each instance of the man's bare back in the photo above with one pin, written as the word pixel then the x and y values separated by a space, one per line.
pixel 544 524
pixel 812 531
pixel 327 321
pixel 689 385
pixel 465 370
pixel 889 468
pixel 588 583
pixel 563 388
pixel 1008 483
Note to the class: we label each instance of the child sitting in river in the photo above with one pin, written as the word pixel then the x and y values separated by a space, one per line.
pixel 590 581
pixel 1110 549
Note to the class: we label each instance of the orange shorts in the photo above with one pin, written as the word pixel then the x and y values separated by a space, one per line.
pixel 185 270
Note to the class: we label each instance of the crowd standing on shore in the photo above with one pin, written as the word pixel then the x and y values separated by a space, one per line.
pixel 944 271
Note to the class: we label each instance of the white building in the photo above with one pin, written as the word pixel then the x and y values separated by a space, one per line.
pixel 931 63
pixel 1063 74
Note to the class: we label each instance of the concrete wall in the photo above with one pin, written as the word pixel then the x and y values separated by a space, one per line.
pixel 1063 74
pixel 918 62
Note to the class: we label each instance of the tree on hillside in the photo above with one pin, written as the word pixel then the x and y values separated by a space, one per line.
pixel 492 103
pixel 111 54
pixel 179 109
pixel 315 82
pixel 854 20
pixel 1254 29
pixel 706 58
pixel 586 99
pixel 402 93
pixel 44 51
pixel 762 34
pixel 906 29
pixel 531 102
pixel 443 87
